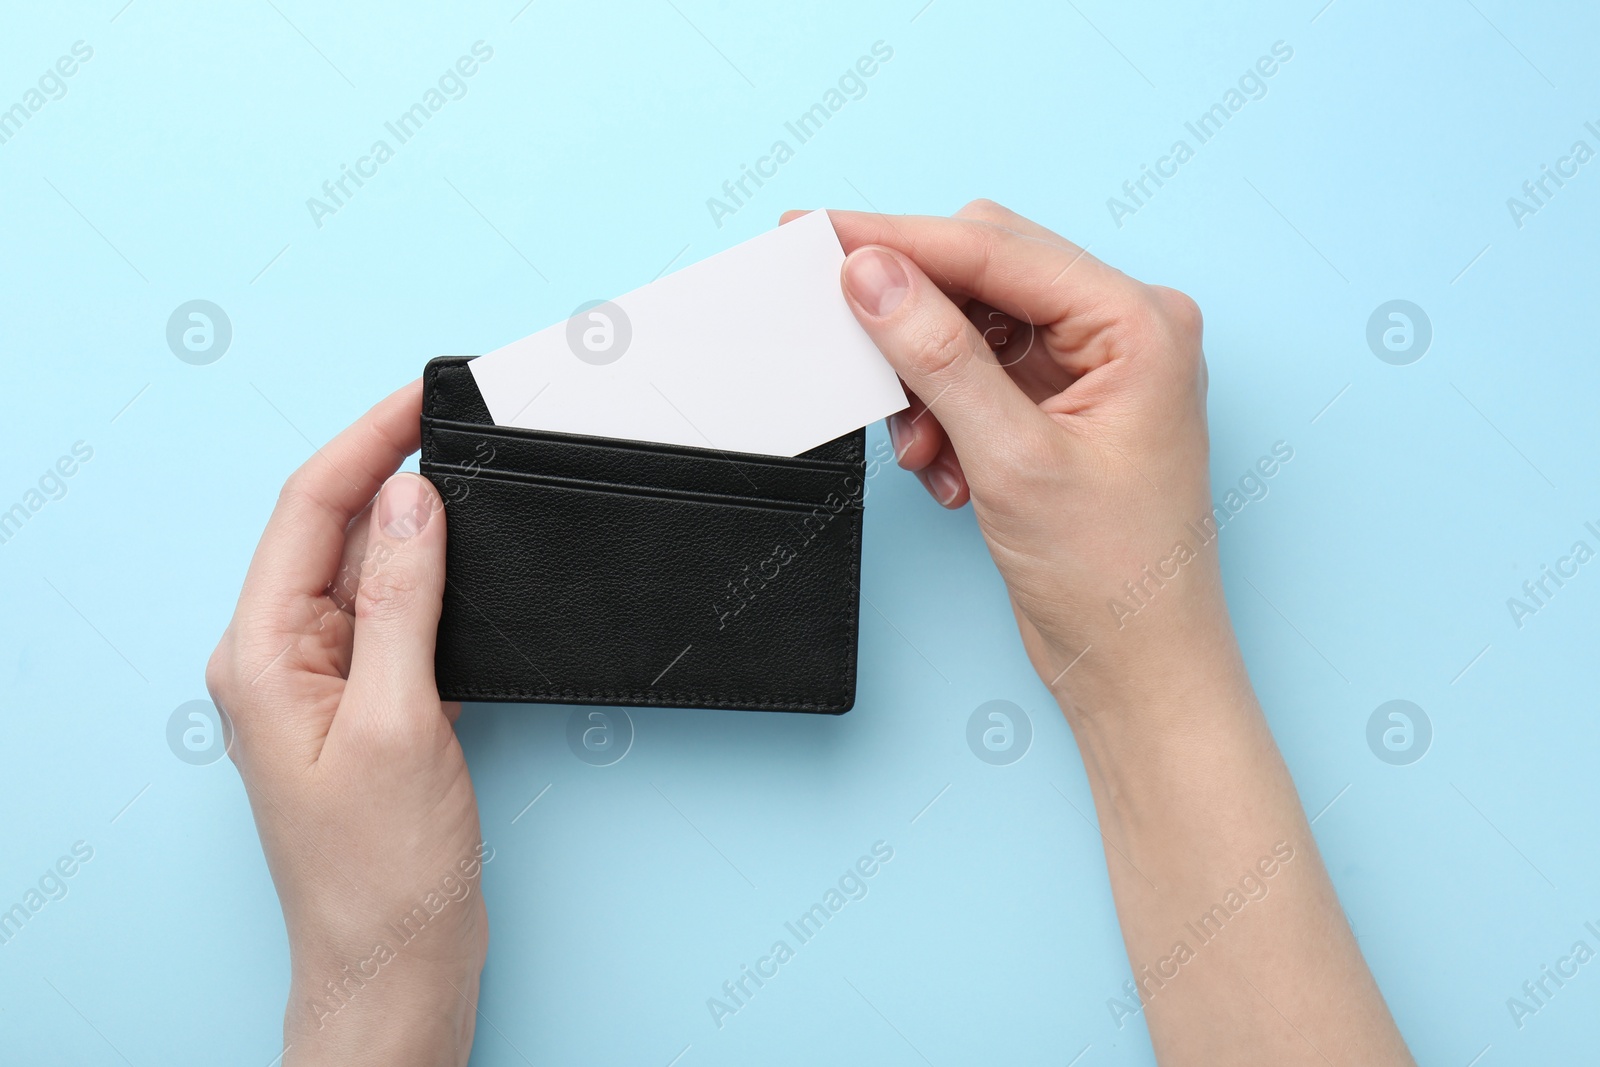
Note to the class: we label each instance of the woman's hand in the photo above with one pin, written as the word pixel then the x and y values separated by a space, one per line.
pixel 359 788
pixel 1067 400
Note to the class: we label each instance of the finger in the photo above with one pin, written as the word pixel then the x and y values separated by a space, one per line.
pixel 944 479
pixel 915 434
pixel 935 350
pixel 1033 280
pixel 301 547
pixel 959 299
pixel 347 578
pixel 398 601
pixel 991 212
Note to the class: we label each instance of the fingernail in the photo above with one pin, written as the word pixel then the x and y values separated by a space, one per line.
pixel 876 280
pixel 401 509
pixel 900 435
pixel 943 484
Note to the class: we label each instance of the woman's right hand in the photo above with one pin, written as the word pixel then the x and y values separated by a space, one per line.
pixel 1067 400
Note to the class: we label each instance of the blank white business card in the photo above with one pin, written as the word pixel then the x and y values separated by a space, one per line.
pixel 751 350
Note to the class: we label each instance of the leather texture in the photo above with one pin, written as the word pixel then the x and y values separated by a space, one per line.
pixel 592 570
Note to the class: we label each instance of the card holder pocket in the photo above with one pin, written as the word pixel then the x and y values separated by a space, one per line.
pixel 596 571
pixel 470 448
pixel 620 598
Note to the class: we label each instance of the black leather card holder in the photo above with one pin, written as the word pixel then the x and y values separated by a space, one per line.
pixel 593 570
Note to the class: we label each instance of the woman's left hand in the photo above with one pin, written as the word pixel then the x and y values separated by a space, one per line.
pixel 358 784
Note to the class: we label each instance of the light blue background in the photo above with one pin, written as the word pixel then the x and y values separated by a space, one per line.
pixel 1377 167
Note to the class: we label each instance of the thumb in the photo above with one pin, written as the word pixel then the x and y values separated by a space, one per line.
pixel 935 349
pixel 398 600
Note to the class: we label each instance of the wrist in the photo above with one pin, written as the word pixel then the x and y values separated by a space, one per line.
pixel 384 1009
pixel 1107 662
pixel 1151 680
pixel 1131 695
